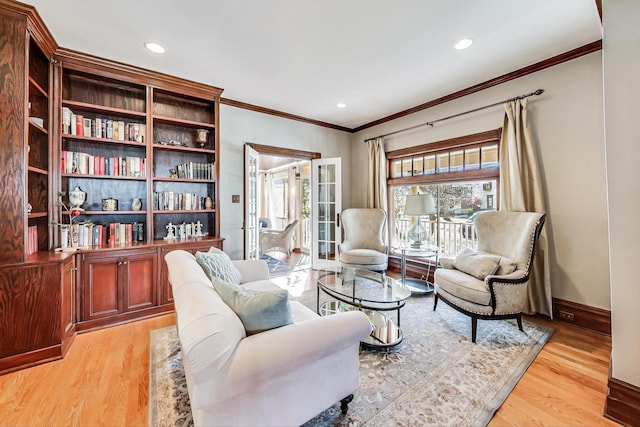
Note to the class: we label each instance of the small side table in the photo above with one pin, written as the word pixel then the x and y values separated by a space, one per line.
pixel 417 287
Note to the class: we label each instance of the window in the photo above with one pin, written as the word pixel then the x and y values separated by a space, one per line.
pixel 461 174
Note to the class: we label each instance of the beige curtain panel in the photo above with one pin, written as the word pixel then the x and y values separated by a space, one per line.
pixel 377 183
pixel 521 191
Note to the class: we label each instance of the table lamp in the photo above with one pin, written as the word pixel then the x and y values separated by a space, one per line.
pixel 418 205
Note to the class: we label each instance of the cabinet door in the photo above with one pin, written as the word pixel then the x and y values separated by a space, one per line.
pixel 68 305
pixel 102 293
pixel 140 286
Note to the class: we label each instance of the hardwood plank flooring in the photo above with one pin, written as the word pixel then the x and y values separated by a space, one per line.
pixel 104 378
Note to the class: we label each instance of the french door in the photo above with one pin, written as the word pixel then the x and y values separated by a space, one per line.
pixel 251 201
pixel 326 205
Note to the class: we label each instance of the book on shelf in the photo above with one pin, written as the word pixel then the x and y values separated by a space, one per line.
pixel 173 201
pixel 99 127
pixel 89 164
pixel 196 170
pixel 88 234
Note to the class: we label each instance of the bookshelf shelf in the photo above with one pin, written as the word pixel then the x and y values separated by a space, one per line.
pixel 37 170
pixel 175 211
pixel 38 215
pixel 169 179
pixel 117 177
pixel 157 146
pixel 102 140
pixel 182 122
pixel 35 87
pixel 102 109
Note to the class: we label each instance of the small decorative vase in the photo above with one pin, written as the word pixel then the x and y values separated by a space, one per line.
pixel 136 204
pixel 76 198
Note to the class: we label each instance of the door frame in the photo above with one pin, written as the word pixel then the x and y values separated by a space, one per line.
pixel 280 152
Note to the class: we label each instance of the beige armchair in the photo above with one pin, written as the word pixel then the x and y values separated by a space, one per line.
pixel 492 282
pixel 280 240
pixel 363 245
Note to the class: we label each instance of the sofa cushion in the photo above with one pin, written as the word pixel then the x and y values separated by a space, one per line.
pixel 506 266
pixel 218 265
pixel 478 265
pixel 258 310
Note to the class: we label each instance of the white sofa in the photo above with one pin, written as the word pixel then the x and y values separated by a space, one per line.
pixel 279 377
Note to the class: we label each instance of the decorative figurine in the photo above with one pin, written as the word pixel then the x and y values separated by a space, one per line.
pixel 198 229
pixel 170 232
pixel 181 231
pixel 173 173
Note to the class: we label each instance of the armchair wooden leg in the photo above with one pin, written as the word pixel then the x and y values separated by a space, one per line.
pixel 344 403
pixel 474 328
pixel 519 319
pixel 435 301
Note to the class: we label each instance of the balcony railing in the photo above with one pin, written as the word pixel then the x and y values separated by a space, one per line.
pixel 454 236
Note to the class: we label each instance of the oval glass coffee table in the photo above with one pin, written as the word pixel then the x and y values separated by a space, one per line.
pixel 370 292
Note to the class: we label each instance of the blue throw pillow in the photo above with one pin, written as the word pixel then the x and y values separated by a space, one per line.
pixel 218 265
pixel 258 310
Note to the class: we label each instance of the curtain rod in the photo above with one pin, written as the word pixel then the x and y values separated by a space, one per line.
pixel 537 92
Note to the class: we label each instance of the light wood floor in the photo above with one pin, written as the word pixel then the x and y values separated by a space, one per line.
pixel 103 380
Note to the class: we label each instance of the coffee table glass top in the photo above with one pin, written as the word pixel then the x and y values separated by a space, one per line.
pixel 365 288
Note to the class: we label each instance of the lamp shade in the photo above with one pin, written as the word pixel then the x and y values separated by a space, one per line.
pixel 419 204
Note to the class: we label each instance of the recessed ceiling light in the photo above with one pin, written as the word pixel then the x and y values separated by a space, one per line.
pixel 464 43
pixel 341 105
pixel 154 47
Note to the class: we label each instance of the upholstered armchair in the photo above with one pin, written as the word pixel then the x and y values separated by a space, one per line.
pixel 280 240
pixel 363 245
pixel 492 282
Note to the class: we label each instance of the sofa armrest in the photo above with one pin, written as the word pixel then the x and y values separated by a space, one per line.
pixel 252 269
pixel 279 351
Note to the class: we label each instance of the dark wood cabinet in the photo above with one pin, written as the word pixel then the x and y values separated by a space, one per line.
pixel 164 124
pixel 116 284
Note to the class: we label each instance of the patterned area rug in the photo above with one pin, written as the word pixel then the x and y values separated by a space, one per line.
pixel 275 265
pixel 436 376
pixel 278 267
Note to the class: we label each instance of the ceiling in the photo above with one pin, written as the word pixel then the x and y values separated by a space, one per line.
pixel 303 57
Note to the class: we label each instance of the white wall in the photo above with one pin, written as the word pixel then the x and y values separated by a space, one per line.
pixel 622 91
pixel 567 122
pixel 238 126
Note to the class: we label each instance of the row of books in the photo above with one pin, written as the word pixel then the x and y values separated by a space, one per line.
pixel 88 164
pixel 98 127
pixel 84 234
pixel 195 170
pixel 169 200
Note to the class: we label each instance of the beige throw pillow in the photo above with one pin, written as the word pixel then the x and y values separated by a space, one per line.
pixel 476 264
